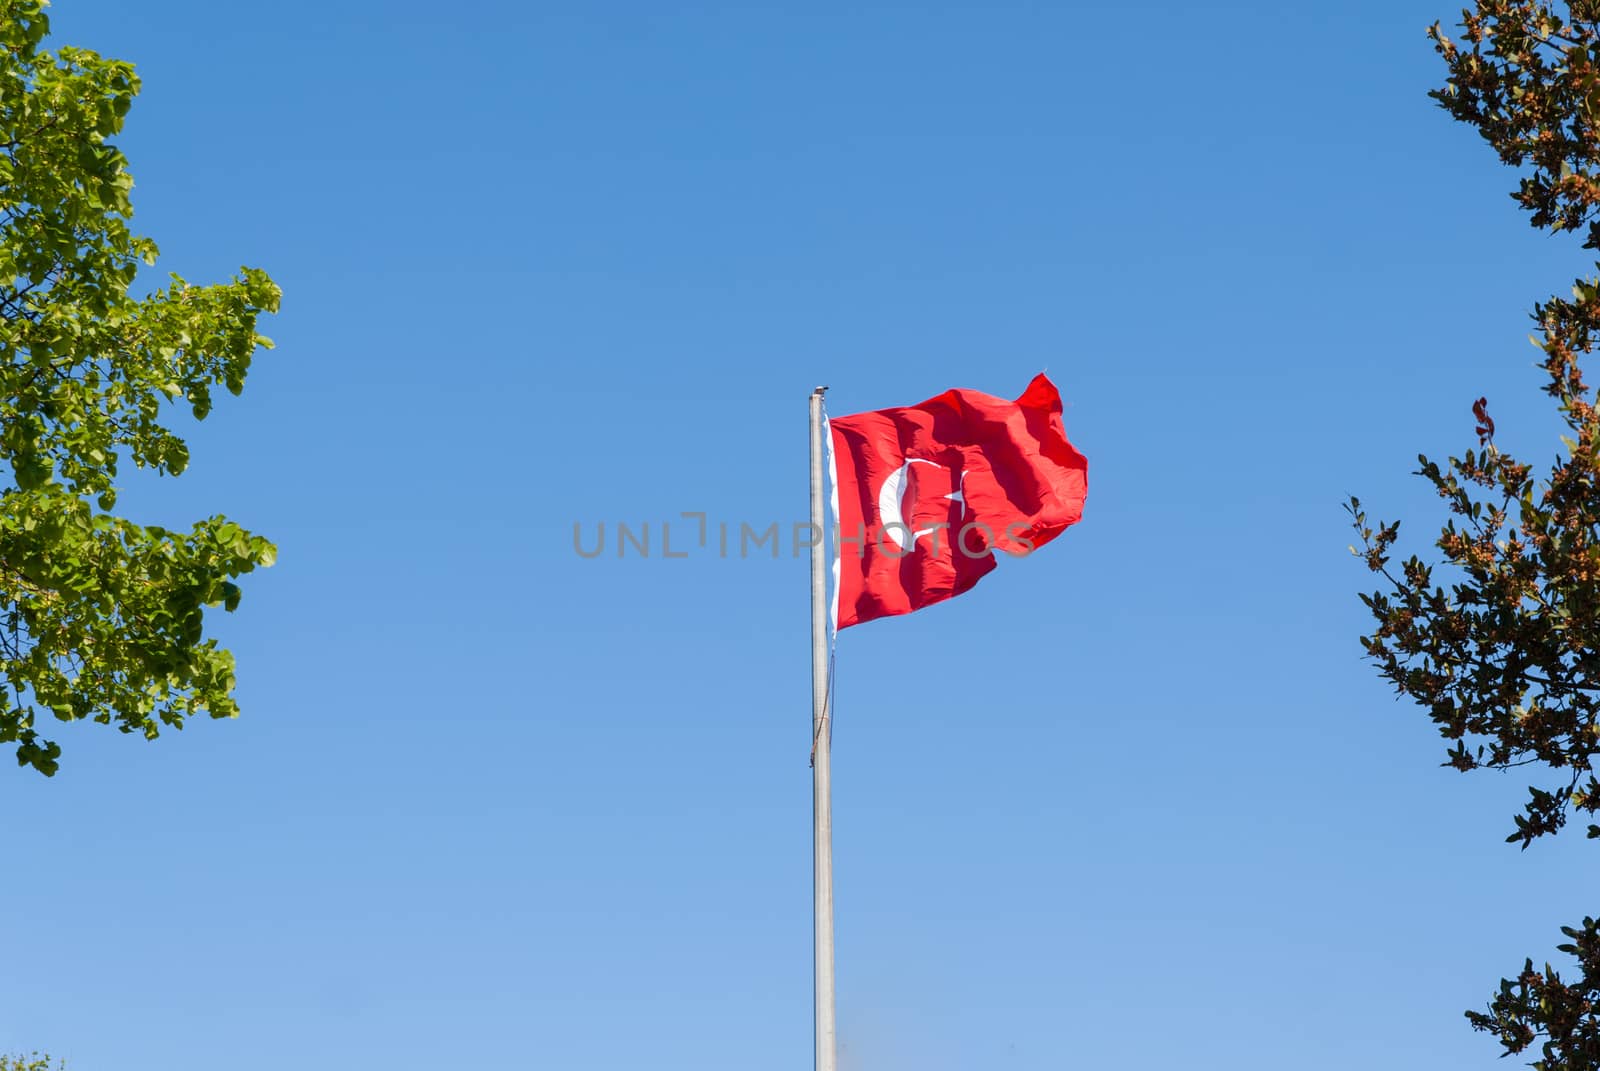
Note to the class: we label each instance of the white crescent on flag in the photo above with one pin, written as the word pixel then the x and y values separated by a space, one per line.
pixel 892 506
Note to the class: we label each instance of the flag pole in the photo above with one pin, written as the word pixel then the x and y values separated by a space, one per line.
pixel 821 771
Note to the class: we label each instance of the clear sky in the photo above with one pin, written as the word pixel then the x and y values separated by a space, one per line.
pixel 1133 802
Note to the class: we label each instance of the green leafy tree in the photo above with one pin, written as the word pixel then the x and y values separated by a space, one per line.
pixel 34 1062
pixel 100 617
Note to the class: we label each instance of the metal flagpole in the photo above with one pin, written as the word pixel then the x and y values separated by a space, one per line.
pixel 821 786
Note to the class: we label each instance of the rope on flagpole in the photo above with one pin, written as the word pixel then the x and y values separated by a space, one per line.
pixel 827 709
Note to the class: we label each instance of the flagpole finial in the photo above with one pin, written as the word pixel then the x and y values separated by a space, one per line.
pixel 819 392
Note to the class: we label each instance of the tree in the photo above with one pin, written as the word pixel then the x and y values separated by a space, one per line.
pixel 1506 659
pixel 36 1062
pixel 100 617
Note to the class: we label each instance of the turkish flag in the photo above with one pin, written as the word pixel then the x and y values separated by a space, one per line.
pixel 927 492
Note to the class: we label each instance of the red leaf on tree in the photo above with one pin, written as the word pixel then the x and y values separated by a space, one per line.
pixel 1485 429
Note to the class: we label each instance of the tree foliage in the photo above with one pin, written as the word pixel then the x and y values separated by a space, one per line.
pixel 1538 1003
pixel 34 1062
pixel 1505 656
pixel 100 617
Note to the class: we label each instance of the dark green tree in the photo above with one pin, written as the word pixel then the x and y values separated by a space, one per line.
pixel 1505 653
pixel 100 617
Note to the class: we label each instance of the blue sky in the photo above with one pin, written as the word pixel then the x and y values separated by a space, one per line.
pixel 1135 801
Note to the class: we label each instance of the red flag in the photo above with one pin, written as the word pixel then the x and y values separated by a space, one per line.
pixel 927 492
